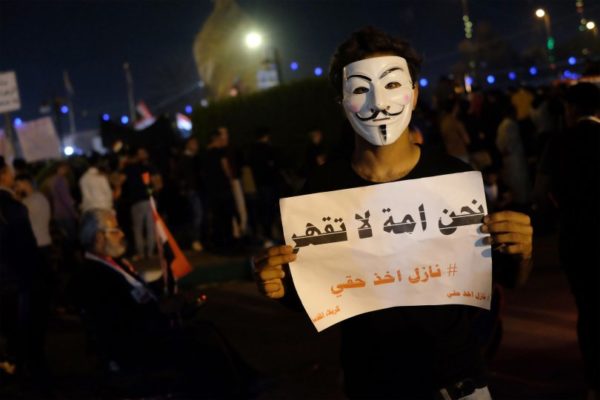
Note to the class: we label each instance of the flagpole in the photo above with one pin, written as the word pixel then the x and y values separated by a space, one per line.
pixel 70 92
pixel 130 96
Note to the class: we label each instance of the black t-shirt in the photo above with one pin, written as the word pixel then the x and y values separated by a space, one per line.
pixel 404 352
pixel 134 188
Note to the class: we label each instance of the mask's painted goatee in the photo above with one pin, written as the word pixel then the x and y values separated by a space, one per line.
pixel 383 130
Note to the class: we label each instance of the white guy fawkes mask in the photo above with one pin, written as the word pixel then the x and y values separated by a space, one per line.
pixel 378 97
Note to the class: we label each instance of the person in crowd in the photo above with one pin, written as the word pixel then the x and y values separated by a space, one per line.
pixel 136 194
pixel 218 176
pixel 453 132
pixel 262 159
pixel 572 164
pixel 95 188
pixel 39 213
pixel 133 325
pixel 64 212
pixel 190 180
pixel 441 357
pixel 22 318
pixel 315 154
pixel 234 158
pixel 514 162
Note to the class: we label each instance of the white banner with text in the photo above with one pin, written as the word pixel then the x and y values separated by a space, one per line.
pixel 408 243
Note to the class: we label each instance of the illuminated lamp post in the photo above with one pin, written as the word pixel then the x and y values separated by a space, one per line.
pixel 541 13
pixel 254 40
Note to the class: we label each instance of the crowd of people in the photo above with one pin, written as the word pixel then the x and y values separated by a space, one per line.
pixel 67 221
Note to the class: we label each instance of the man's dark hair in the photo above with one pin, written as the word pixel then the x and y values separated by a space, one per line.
pixel 25 177
pixel 584 97
pixel 365 43
pixel 19 164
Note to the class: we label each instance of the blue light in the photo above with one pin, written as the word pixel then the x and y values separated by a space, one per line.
pixel 105 117
pixel 64 109
pixel 572 61
pixel 533 71
pixel 18 121
pixel 469 81
pixel 188 109
pixel 567 74
pixel 318 71
pixel 124 119
pixel 491 79
pixel 68 150
pixel 294 66
pixel 423 82
pixel 512 76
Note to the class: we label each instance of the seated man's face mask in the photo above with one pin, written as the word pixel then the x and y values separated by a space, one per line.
pixel 378 98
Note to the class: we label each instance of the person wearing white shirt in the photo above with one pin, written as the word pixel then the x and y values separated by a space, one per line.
pixel 95 189
pixel 38 207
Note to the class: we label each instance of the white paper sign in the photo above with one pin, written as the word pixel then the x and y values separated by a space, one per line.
pixel 38 140
pixel 9 92
pixel 409 243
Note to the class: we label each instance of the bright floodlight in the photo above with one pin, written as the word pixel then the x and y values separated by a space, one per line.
pixel 540 13
pixel 68 150
pixel 253 40
pixel 590 25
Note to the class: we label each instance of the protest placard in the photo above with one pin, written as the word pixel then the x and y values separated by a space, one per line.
pixel 408 243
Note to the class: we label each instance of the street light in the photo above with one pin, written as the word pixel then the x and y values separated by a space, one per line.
pixel 590 25
pixel 253 40
pixel 270 76
pixel 541 13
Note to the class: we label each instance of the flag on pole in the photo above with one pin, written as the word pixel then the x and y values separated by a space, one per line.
pixel 174 263
pixel 146 118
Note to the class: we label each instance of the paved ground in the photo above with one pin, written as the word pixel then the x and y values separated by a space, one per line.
pixel 538 357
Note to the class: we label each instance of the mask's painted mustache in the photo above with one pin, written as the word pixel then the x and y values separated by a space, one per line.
pixel 376 113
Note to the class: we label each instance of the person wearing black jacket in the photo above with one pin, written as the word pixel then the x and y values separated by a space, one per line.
pixel 434 352
pixel 23 306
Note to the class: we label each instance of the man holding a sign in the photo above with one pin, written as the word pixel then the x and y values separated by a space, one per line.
pixel 396 243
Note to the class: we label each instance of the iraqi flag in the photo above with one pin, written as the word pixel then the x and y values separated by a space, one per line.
pixel 174 263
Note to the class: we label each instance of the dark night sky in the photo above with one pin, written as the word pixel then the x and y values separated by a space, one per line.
pixel 92 39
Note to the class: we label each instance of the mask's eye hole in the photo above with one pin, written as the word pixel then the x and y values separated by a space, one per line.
pixel 360 90
pixel 393 85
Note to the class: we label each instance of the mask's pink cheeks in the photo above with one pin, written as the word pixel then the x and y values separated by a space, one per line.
pixel 353 104
pixel 406 99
